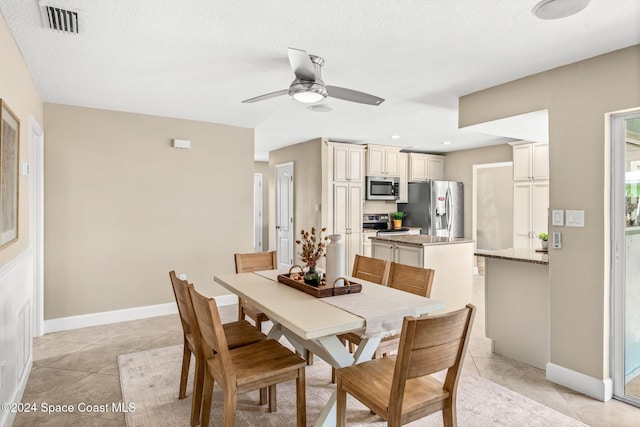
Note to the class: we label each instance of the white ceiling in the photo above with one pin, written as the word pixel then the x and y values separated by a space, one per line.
pixel 198 59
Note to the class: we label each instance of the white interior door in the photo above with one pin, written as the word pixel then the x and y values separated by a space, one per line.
pixel 257 212
pixel 284 215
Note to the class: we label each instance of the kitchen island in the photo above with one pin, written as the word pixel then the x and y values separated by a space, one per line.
pixel 451 258
pixel 517 304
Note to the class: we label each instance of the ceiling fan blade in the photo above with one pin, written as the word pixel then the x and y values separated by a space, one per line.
pixel 353 95
pixel 301 64
pixel 266 96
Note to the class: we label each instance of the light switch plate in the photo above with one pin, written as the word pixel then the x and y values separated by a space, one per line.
pixel 557 217
pixel 575 218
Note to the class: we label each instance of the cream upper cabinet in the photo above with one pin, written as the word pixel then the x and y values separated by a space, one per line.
pixel 423 167
pixel 530 213
pixel 530 161
pixel 383 161
pixel 348 162
pixel 403 159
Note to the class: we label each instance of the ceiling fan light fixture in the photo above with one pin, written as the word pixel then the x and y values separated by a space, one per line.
pixel 308 97
pixel 307 92
pixel 557 9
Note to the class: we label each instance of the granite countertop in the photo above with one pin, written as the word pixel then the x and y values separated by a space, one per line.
pixel 420 239
pixel 521 255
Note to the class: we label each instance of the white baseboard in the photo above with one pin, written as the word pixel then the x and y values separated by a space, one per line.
pixel 107 317
pixel 598 389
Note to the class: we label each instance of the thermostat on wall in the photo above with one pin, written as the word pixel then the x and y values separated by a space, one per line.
pixel 181 143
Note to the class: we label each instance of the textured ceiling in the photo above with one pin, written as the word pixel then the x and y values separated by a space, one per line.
pixel 199 59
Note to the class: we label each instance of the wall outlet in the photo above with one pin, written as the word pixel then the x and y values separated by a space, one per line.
pixel 182 276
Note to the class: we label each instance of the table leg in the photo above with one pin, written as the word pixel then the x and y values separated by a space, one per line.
pixel 365 352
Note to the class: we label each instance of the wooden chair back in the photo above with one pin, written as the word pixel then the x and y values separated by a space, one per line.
pixel 213 339
pixel 430 344
pixel 185 309
pixel 256 261
pixel 371 269
pixel 408 278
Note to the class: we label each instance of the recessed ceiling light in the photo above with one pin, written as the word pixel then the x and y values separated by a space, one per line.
pixel 395 136
pixel 556 9
pixel 321 108
pixel 446 142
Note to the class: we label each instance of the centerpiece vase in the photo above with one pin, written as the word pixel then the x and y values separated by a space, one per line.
pixel 312 277
pixel 335 260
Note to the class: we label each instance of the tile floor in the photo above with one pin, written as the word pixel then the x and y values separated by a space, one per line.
pixel 80 366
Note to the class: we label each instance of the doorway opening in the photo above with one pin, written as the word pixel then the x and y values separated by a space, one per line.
pixel 492 204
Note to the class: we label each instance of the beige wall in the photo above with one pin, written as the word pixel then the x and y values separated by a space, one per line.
pixel 459 167
pixel 123 207
pixel 19 93
pixel 307 158
pixel 16 262
pixel 263 168
pixel 577 96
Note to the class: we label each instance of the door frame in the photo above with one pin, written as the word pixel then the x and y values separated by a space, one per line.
pixel 617 252
pixel 258 229
pixel 36 221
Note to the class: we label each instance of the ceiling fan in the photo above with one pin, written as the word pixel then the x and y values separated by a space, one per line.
pixel 308 86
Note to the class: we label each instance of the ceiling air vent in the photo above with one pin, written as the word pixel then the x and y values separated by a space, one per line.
pixel 58 18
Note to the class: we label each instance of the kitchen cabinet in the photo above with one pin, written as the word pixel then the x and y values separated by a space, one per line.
pixel 348 199
pixel 382 161
pixel 366 242
pixel 345 196
pixel 348 161
pixel 423 167
pixel 452 262
pixel 403 168
pixel 530 161
pixel 530 213
pixel 402 254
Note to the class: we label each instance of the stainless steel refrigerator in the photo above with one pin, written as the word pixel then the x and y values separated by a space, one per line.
pixel 435 206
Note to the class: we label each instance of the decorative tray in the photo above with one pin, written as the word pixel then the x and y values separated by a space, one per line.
pixel 322 291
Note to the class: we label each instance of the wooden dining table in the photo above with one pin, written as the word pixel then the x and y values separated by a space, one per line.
pixel 314 323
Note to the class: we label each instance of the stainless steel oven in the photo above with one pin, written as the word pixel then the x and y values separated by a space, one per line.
pixel 382 188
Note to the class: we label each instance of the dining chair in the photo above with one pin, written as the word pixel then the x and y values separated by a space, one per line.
pixel 263 364
pixel 415 280
pixel 404 390
pixel 371 269
pixel 246 263
pixel 257 261
pixel 237 333
pixel 408 278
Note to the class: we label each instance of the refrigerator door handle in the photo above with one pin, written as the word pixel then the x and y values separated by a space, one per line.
pixel 449 211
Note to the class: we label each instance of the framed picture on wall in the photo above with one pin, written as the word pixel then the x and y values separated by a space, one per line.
pixel 9 178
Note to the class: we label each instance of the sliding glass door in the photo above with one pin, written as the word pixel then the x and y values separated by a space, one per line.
pixel 626 256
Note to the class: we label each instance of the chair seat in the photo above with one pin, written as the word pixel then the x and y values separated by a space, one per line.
pixel 261 364
pixel 374 378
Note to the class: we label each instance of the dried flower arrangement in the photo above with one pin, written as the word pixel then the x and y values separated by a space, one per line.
pixel 313 247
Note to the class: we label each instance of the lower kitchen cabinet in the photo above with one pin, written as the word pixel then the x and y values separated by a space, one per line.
pixel 453 265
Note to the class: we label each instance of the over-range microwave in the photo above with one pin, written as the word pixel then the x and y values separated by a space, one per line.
pixel 383 188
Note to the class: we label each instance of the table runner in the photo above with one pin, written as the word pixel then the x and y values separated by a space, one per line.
pixel 382 317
